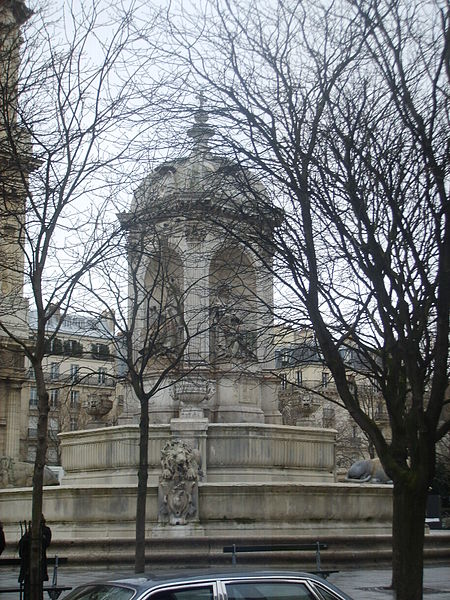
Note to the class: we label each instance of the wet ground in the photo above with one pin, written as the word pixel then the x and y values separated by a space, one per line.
pixel 361 584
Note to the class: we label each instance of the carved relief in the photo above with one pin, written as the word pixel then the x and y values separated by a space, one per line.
pixel 178 483
pixel 195 231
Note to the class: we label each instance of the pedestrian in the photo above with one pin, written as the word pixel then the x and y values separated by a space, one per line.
pixel 2 538
pixel 24 555
pixel 46 533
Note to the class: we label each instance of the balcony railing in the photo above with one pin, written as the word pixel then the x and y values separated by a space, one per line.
pixel 310 385
pixel 92 379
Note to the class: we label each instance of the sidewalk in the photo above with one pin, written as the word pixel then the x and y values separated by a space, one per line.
pixel 370 584
pixel 366 584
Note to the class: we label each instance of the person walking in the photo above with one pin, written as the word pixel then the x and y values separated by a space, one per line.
pixel 2 538
pixel 25 555
pixel 46 534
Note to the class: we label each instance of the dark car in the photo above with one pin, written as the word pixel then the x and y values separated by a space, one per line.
pixel 232 585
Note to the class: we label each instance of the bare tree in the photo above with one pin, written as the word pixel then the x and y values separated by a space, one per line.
pixel 146 296
pixel 69 131
pixel 342 110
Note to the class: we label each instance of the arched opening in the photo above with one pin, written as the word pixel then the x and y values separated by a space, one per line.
pixel 163 305
pixel 233 306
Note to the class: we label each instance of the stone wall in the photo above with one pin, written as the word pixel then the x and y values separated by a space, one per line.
pixel 233 453
pixel 88 513
pixel 109 455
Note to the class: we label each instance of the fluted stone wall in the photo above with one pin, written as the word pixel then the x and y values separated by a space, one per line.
pixel 235 453
pixel 109 455
pixel 242 452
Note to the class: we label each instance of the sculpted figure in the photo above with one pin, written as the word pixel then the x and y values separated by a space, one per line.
pixel 16 473
pixel 178 483
pixel 370 470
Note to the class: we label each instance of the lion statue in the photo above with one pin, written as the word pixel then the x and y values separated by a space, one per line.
pixel 369 470
pixel 16 473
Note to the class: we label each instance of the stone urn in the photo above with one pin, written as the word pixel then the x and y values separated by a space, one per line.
pixel 97 406
pixel 192 392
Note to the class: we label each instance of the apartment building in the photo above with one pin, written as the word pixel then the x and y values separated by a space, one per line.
pixel 308 395
pixel 81 375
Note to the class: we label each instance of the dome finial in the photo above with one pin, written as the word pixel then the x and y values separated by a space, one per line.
pixel 201 132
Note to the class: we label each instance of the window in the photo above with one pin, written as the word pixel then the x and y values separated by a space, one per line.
pixel 73 424
pixel 192 592
pixel 101 375
pixel 74 373
pixel 73 348
pixel 53 427
pixel 33 397
pixel 53 346
pixel 74 398
pixel 283 381
pixel 299 376
pixel 54 371
pixel 103 591
pixel 100 351
pixel 286 357
pixel 325 379
pixel 54 395
pixel 326 594
pixel 32 427
pixel 52 455
pixel 269 590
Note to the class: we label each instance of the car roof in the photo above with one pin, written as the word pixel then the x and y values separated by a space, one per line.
pixel 149 581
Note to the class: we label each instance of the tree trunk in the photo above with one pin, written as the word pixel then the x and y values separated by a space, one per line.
pixel 408 528
pixel 35 574
pixel 139 559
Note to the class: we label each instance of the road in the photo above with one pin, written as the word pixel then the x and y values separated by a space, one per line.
pixel 365 584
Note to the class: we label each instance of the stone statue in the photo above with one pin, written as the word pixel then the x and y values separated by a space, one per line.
pixel 172 330
pixel 15 473
pixel 178 483
pixel 365 471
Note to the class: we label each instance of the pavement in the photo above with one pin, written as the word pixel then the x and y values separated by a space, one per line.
pixel 360 584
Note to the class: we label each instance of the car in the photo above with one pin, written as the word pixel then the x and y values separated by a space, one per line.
pixel 230 585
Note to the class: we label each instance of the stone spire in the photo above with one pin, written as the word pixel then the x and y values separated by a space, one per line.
pixel 201 132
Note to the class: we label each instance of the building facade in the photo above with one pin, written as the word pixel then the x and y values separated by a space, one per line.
pixel 80 371
pixel 308 395
pixel 15 164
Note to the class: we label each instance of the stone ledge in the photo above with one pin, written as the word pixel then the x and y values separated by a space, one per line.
pixel 202 551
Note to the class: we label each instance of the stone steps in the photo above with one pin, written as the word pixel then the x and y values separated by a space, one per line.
pixel 342 552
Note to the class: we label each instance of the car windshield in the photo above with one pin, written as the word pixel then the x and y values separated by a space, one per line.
pixel 101 591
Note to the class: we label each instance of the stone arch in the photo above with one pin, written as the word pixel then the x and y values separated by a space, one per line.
pixel 233 304
pixel 164 288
